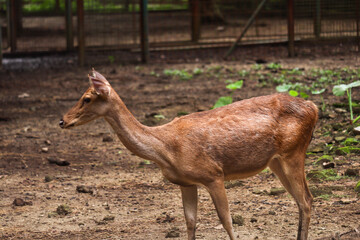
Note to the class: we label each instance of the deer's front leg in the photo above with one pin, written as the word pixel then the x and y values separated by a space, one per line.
pixel 190 199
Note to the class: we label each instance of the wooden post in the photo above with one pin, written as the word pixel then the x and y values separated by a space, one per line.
pixel 358 24
pixel 291 28
pixel 69 26
pixel 11 22
pixel 317 23
pixel 144 31
pixel 81 32
pixel 195 20
pixel 0 48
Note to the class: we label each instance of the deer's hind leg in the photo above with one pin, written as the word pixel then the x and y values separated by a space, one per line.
pixel 218 195
pixel 291 173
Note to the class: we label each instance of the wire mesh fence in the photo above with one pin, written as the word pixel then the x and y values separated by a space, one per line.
pixel 114 24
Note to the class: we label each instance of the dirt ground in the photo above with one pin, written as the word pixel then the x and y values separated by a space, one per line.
pixel 128 198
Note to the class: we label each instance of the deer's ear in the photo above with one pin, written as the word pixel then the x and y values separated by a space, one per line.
pixel 99 83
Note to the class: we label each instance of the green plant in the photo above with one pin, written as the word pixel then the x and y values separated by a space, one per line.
pixel 111 59
pixel 197 71
pixel 274 66
pixel 294 89
pixel 222 101
pixel 339 90
pixel 323 175
pixel 357 187
pixel 319 92
pixel 182 74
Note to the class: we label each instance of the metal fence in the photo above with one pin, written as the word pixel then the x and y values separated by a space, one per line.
pixel 51 25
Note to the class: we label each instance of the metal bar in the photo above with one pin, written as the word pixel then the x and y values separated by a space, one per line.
pixel 144 31
pixel 81 32
pixel 317 23
pixel 195 20
pixel 247 26
pixel 69 26
pixel 291 28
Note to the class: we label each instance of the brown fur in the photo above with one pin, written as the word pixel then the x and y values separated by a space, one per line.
pixel 207 148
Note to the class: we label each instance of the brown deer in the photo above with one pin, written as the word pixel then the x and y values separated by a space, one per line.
pixel 207 148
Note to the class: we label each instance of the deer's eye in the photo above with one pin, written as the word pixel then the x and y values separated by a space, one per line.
pixel 87 100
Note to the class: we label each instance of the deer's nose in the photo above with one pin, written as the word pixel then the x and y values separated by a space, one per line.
pixel 61 123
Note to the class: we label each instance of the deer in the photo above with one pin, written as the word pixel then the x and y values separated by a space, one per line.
pixel 204 149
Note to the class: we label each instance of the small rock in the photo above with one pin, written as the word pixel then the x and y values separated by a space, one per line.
pixel 85 189
pixel 165 219
pixel 48 178
pixel 277 191
pixel 52 214
pixel 24 95
pixel 257 191
pixel 109 218
pixel 63 209
pixel 173 233
pixel 327 165
pixel 107 139
pixel 253 220
pixel 58 162
pixel 272 213
pixel 238 220
pixel 332 115
pixel 19 202
pixel 351 172
pixel 47 142
pixel 340 138
pixel 44 149
pixel 340 110
pixel 356 130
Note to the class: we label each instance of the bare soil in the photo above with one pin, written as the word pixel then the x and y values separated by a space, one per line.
pixel 130 199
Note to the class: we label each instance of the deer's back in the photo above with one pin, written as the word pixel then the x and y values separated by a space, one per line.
pixel 245 134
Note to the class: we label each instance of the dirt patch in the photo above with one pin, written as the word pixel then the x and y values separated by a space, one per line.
pixel 129 198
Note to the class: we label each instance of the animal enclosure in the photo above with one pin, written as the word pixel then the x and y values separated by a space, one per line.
pixel 51 26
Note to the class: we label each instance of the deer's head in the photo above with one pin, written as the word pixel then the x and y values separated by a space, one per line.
pixel 94 102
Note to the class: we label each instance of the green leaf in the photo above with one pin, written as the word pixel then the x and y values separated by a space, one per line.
pixel 235 85
pixel 159 116
pixel 304 95
pixel 293 93
pixel 284 87
pixel 339 90
pixel 222 101
pixel 315 92
pixel 354 84
pixel 356 119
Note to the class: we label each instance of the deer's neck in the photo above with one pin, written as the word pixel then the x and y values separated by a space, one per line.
pixel 138 138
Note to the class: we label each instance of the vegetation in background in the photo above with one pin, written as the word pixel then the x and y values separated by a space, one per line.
pixel 222 101
pixel 339 90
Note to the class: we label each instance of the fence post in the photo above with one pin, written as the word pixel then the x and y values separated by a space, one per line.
pixel 69 26
pixel 0 48
pixel 195 20
pixel 81 32
pixel 317 23
pixel 358 24
pixel 291 28
pixel 144 31
pixel 11 24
